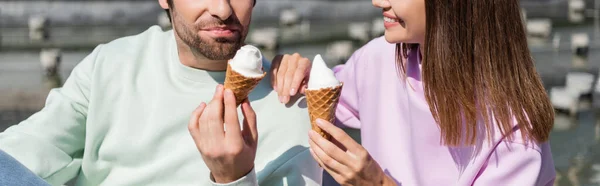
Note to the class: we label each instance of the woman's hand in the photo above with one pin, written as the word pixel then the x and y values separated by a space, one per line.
pixel 289 75
pixel 347 162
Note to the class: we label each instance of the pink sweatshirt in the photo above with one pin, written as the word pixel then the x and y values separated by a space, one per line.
pixel 398 130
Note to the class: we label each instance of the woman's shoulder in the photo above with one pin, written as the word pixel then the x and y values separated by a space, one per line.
pixel 375 51
pixel 378 47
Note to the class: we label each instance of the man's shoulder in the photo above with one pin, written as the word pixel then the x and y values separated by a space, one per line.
pixel 128 55
pixel 152 38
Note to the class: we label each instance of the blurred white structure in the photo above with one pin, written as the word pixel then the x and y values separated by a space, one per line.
pixel 163 20
pixel 567 98
pixel 579 83
pixel 576 11
pixel 359 31
pixel 580 44
pixel 539 28
pixel 289 17
pixel 305 28
pixel 295 32
pixel 38 28
pixel 556 42
pixel 264 37
pixel 564 99
pixel 377 29
pixel 50 60
pixel 339 51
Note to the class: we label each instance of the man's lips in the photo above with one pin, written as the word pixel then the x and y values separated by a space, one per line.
pixel 220 31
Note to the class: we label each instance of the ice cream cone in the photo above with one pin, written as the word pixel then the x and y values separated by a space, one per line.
pixel 239 84
pixel 321 105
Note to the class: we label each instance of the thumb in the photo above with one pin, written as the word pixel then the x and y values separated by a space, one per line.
pixel 250 131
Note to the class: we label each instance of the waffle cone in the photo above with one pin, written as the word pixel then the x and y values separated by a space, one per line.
pixel 321 105
pixel 239 84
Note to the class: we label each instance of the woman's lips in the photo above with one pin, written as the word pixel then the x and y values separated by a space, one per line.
pixel 391 21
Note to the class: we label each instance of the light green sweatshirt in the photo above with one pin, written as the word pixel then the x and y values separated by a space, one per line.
pixel 121 119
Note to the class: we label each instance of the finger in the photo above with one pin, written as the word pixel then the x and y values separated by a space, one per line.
pixel 304 86
pixel 289 76
pixel 250 131
pixel 232 122
pixel 315 157
pixel 339 135
pixel 281 76
pixel 332 150
pixel 274 69
pixel 217 90
pixel 299 75
pixel 337 177
pixel 193 125
pixel 215 113
pixel 327 161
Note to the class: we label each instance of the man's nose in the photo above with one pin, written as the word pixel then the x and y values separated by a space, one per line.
pixel 381 3
pixel 220 8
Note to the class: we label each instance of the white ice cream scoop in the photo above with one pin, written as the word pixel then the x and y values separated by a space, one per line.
pixel 247 61
pixel 321 76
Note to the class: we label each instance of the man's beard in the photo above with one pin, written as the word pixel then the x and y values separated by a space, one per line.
pixel 213 49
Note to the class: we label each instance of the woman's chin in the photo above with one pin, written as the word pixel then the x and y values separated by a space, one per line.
pixel 394 38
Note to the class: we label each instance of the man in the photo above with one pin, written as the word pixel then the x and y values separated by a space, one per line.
pixel 125 115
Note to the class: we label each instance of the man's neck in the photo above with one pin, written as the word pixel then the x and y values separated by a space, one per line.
pixel 191 58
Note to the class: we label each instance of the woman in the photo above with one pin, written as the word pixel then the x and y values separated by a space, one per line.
pixel 462 105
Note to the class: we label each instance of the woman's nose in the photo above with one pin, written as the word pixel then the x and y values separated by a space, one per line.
pixel 381 3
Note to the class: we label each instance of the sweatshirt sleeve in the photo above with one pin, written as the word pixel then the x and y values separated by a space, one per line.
pixel 347 108
pixel 518 164
pixel 299 169
pixel 248 180
pixel 50 142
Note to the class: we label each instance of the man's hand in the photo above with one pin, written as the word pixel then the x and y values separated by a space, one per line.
pixel 289 75
pixel 227 150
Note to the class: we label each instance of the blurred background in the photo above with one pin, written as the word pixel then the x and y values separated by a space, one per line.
pixel 42 40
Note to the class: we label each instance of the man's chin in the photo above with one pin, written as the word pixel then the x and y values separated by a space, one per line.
pixel 218 50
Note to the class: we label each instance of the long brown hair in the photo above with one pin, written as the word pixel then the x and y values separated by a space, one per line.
pixel 476 64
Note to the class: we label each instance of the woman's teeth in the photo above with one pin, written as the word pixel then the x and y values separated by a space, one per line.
pixel 390 20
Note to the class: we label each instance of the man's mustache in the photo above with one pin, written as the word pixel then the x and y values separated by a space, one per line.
pixel 215 22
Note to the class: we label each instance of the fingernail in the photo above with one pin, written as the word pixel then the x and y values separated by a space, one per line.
pixel 280 99
pixel 228 93
pixel 275 87
pixel 286 99
pixel 292 92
